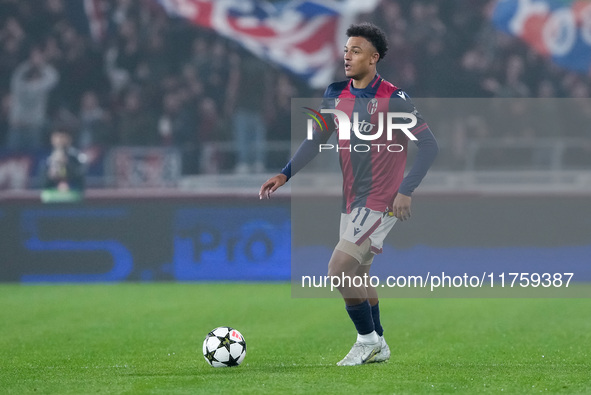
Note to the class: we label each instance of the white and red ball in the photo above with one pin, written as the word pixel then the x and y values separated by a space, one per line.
pixel 223 347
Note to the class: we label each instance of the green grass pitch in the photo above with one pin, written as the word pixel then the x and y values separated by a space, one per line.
pixel 146 338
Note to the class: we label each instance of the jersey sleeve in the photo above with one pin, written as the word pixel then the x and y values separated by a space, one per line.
pixel 428 148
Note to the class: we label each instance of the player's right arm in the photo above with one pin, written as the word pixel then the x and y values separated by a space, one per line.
pixel 305 153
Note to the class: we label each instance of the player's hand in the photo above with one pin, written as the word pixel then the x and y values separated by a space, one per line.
pixel 401 207
pixel 271 186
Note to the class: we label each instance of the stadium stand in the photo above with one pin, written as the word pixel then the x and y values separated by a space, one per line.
pixel 148 80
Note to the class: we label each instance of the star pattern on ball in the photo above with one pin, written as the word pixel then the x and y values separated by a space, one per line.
pixel 225 341
pixel 224 346
pixel 232 361
pixel 210 356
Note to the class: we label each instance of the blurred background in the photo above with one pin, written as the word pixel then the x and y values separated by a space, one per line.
pixel 179 110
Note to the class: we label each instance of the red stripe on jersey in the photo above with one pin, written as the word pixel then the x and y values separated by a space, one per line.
pixel 387 167
pixel 347 105
pixel 376 187
pixel 385 89
pixel 369 232
pixel 419 129
pixel 376 81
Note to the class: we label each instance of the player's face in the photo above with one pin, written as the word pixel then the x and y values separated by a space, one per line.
pixel 360 58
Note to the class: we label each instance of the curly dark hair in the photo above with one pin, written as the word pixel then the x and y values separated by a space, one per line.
pixel 371 33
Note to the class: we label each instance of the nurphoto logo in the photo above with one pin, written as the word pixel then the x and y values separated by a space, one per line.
pixel 362 130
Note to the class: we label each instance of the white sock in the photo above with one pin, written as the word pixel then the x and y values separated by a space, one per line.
pixel 369 338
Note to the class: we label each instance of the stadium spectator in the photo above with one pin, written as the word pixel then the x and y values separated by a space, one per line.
pixel 279 120
pixel 424 23
pixel 469 82
pixel 135 125
pixel 95 123
pixel 441 50
pixel 4 114
pixel 176 123
pixel 209 127
pixel 64 168
pixel 123 56
pixel 154 64
pixel 220 74
pixel 31 84
pixel 198 57
pixel 80 69
pixel 12 37
pixel 250 102
pixel 513 84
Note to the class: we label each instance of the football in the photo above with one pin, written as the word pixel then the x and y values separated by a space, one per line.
pixel 223 347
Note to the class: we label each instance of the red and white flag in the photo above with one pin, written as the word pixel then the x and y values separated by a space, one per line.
pixel 305 37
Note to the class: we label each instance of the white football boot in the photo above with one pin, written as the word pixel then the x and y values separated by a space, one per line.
pixel 361 353
pixel 384 353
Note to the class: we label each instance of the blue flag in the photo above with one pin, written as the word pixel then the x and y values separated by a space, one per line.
pixel 560 29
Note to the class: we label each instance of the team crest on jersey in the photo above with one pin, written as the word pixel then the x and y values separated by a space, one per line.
pixel 372 106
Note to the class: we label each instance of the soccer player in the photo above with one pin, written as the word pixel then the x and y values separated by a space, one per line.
pixel 375 191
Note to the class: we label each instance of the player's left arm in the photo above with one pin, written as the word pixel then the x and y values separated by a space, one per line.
pixel 427 152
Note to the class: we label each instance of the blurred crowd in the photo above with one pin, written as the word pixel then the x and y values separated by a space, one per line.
pixel 451 49
pixel 151 80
